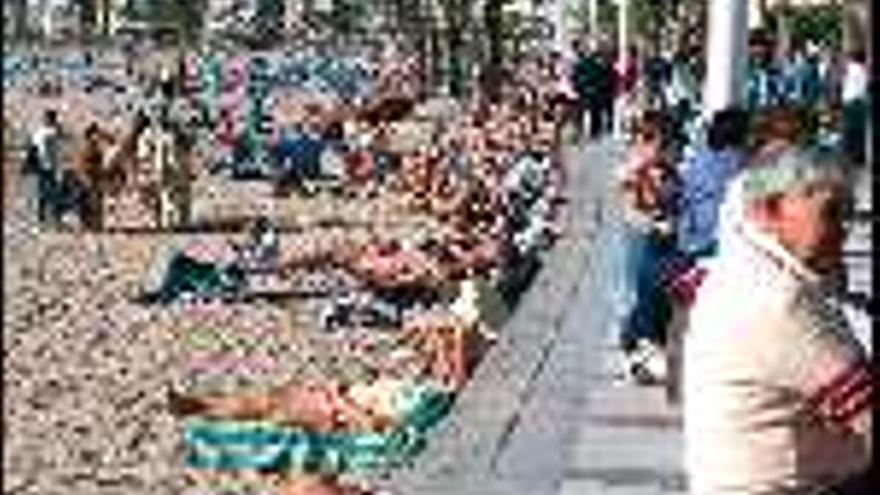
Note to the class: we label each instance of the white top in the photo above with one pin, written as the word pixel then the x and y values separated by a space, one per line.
pixel 855 82
pixel 775 387
pixel 45 139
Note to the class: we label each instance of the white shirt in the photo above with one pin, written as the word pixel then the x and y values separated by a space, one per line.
pixel 855 82
pixel 45 139
pixel 763 354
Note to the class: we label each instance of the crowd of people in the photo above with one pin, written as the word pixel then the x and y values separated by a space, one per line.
pixel 486 172
pixel 734 227
pixel 733 219
pixel 829 87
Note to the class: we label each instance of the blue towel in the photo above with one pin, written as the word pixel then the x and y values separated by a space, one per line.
pixel 233 444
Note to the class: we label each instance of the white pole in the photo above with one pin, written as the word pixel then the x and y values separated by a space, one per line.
pixel 557 13
pixel 622 43
pixel 594 24
pixel 727 55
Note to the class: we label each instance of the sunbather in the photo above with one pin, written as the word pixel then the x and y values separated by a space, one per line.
pixel 438 343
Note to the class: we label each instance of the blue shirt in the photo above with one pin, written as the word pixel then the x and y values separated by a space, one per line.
pixel 299 153
pixel 703 177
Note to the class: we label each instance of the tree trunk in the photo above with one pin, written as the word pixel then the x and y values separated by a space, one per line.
pixel 87 11
pixel 21 19
pixel 856 33
pixel 492 17
pixel 454 13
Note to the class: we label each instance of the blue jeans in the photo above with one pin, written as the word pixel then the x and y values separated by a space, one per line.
pixel 647 318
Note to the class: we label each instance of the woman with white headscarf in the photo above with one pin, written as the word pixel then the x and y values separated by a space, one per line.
pixel 777 392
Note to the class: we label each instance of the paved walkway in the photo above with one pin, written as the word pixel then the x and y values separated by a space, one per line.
pixel 626 439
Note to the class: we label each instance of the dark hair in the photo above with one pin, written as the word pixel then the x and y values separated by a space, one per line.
pixel 141 121
pixel 779 123
pixel 728 129
pixel 858 55
pixel 92 130
pixel 334 131
pixel 650 124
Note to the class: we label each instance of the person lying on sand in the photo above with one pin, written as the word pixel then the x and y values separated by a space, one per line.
pixel 437 342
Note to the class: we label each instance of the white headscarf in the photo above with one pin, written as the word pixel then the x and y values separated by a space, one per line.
pixel 737 232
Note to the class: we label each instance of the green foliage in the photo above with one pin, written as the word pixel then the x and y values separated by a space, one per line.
pixel 579 14
pixel 348 16
pixel 86 11
pixel 820 24
pixel 185 16
pixel 269 17
pixel 135 10
pixel 646 18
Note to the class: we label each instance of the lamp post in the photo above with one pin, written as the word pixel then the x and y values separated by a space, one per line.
pixel 727 55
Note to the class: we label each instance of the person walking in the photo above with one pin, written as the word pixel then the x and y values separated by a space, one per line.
pixel 764 83
pixel 854 100
pixel 777 391
pixel 607 90
pixel 91 168
pixel 657 72
pixel 812 80
pixel 46 152
pixel 587 79
pixel 648 186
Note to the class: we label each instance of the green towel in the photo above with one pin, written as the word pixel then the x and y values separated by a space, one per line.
pixel 228 445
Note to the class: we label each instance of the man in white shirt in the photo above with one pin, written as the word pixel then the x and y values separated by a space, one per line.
pixel 46 147
pixel 777 391
pixel 854 97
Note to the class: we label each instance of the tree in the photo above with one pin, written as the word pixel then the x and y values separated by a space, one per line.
pixel 579 12
pixel 20 18
pixel 856 26
pixel 190 17
pixel 269 19
pixel 493 19
pixel 410 19
pixel 87 17
pixel 349 15
pixel 456 21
